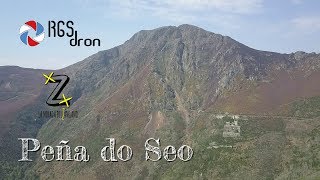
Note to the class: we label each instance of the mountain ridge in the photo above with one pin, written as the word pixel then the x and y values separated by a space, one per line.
pixel 171 83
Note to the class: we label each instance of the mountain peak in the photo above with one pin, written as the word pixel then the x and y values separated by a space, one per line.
pixel 184 32
pixel 190 27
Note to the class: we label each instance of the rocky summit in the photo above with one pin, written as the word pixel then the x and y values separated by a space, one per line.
pixel 246 114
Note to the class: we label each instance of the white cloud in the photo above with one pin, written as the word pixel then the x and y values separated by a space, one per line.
pixel 307 24
pixel 230 6
pixel 303 26
pixel 297 2
pixel 223 13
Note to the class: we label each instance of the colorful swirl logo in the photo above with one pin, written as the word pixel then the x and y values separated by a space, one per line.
pixel 35 26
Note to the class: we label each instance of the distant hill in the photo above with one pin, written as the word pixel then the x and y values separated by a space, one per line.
pixel 19 87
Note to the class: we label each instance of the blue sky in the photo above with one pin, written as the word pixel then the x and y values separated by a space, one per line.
pixel 282 26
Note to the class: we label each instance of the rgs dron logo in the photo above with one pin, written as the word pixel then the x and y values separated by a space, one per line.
pixel 57 98
pixel 55 29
